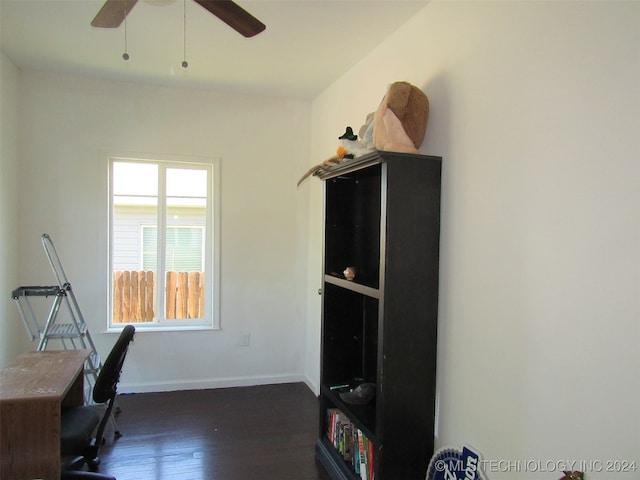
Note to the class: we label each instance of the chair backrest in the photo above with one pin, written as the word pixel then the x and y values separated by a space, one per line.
pixel 106 385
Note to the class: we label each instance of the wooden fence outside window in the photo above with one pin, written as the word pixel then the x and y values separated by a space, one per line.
pixel 134 296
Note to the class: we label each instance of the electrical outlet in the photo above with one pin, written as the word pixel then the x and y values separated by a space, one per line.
pixel 245 339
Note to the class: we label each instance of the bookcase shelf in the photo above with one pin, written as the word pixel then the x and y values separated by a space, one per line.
pixel 382 219
pixel 354 286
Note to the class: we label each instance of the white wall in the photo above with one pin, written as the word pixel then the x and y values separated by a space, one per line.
pixel 534 108
pixel 68 126
pixel 13 338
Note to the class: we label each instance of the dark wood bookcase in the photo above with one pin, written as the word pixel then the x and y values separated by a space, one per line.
pixel 382 216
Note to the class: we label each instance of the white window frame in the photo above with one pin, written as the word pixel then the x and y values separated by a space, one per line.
pixel 211 320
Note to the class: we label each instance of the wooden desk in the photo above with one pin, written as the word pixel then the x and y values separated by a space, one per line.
pixel 33 388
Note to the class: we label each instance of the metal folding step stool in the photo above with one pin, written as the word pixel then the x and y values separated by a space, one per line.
pixel 74 334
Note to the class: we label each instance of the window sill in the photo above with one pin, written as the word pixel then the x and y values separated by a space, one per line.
pixel 144 329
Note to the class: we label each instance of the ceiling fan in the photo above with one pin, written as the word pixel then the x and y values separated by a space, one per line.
pixel 113 13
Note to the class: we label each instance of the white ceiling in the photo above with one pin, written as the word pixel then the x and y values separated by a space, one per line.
pixel 307 45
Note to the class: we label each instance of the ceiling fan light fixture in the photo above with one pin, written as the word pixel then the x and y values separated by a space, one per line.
pixel 113 12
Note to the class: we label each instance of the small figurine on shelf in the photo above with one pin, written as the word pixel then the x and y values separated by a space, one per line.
pixel 349 273
pixel 568 475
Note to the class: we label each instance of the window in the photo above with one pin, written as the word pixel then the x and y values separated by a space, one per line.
pixel 163 242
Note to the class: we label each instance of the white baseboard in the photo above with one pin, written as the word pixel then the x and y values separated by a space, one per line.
pixel 203 384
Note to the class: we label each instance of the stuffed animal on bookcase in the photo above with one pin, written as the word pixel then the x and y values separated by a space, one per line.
pixel 398 125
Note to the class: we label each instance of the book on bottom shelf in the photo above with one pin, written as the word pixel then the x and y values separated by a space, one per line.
pixel 351 443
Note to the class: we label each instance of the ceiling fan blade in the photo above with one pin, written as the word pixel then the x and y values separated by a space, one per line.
pixel 112 13
pixel 234 15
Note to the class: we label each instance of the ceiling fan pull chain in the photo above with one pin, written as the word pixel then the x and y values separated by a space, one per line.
pixel 185 64
pixel 125 55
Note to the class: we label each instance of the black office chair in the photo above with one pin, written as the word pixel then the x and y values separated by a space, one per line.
pixel 78 423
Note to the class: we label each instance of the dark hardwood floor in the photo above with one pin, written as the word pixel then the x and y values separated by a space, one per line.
pixel 247 433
